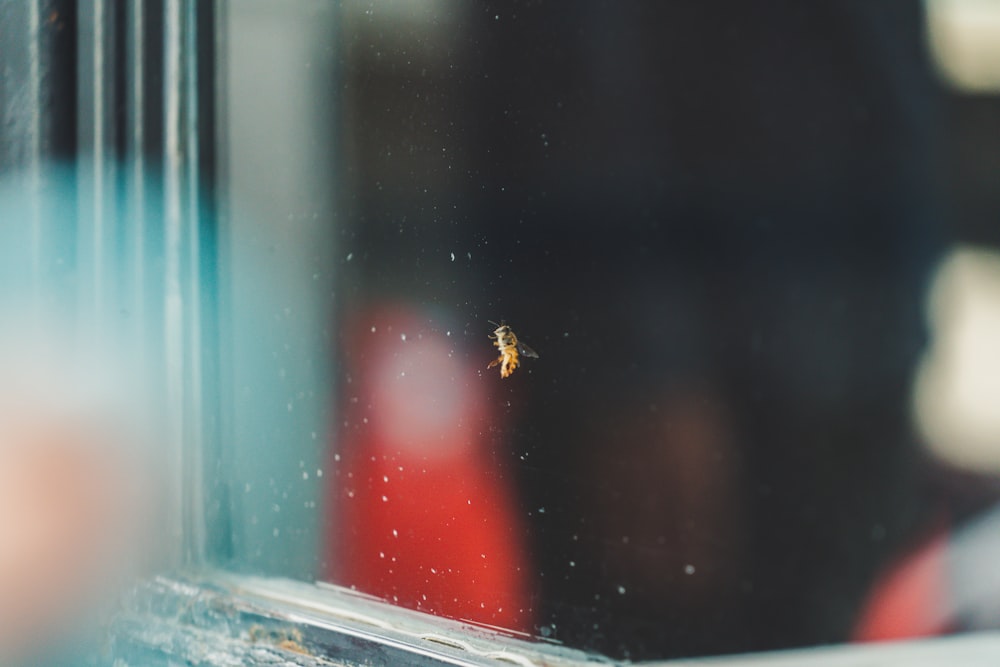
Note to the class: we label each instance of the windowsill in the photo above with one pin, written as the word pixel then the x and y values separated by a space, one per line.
pixel 223 619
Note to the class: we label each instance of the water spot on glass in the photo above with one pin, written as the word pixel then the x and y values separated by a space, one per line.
pixel 395 533
pixel 336 457
pixel 350 256
pixel 385 478
pixel 541 510
pixel 453 257
pixel 381 554
pixel 350 493
pixel 689 569
pixel 572 563
pixel 373 329
pixel 246 487
pixel 319 472
pixel 402 337
pixel 364 419
pixel 275 508
pixel 385 499
pixel 469 255
pixel 621 590
pixel 565 334
pixel 447 333
pixel 305 475
pixel 276 532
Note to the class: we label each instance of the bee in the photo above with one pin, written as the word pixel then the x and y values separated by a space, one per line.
pixel 510 349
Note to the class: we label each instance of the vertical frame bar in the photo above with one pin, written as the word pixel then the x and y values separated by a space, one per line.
pixel 98 123
pixel 188 259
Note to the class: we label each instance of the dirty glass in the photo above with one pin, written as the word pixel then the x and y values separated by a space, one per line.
pixel 649 329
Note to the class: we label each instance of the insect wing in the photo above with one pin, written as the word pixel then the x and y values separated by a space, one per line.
pixel 526 351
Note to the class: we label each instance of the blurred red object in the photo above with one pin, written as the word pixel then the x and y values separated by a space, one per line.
pixel 911 598
pixel 422 513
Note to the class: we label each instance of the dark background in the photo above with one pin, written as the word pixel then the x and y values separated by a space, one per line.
pixel 715 221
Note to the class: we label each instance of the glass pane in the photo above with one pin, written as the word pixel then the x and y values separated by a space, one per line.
pixel 596 322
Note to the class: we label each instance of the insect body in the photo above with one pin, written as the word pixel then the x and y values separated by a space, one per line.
pixel 510 350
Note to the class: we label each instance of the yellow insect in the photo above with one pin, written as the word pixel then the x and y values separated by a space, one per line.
pixel 510 349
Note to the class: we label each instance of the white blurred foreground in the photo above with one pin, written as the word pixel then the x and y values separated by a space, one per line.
pixel 77 497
